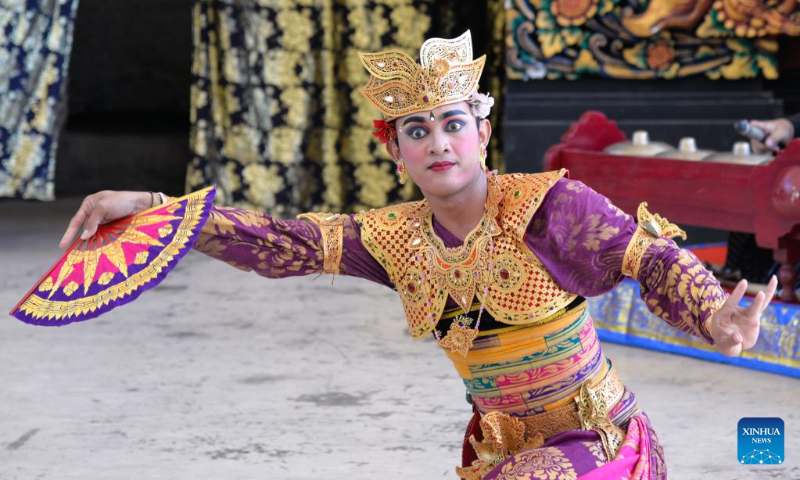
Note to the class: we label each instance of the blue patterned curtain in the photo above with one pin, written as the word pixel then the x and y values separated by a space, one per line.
pixel 35 43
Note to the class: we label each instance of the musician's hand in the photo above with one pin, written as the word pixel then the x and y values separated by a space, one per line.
pixel 103 207
pixel 778 131
pixel 734 328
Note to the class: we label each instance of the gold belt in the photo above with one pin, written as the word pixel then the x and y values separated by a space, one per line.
pixel 504 435
pixel 608 391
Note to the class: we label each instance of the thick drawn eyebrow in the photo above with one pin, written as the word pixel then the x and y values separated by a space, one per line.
pixel 452 113
pixel 449 114
pixel 413 119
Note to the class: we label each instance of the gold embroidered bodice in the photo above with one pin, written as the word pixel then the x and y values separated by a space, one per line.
pixel 425 272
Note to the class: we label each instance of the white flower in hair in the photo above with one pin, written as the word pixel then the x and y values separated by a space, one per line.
pixel 481 104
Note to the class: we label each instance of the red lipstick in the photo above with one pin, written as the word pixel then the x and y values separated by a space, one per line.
pixel 441 166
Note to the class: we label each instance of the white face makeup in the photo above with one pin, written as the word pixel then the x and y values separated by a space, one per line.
pixel 441 148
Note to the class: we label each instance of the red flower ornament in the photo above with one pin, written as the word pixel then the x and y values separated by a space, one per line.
pixel 384 130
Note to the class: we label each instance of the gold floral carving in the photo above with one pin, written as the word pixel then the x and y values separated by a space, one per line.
pixel 660 55
pixel 634 252
pixel 648 39
pixel 608 390
pixel 664 14
pixel 742 18
pixel 573 13
pixel 758 18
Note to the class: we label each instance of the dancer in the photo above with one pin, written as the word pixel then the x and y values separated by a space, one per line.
pixel 496 268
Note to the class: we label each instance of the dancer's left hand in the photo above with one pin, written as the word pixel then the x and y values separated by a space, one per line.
pixel 733 328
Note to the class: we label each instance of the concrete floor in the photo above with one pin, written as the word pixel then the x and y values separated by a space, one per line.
pixel 220 374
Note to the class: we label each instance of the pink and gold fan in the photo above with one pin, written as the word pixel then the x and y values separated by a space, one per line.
pixel 122 260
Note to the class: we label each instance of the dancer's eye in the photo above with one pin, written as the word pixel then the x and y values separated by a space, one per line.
pixel 454 126
pixel 417 133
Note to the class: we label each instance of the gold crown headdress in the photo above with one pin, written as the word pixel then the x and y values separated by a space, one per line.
pixel 398 86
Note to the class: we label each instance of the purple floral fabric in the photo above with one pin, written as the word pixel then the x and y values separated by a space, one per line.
pixel 254 241
pixel 581 237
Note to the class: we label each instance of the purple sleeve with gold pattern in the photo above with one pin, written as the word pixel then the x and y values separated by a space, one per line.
pixel 275 248
pixel 677 288
pixel 581 238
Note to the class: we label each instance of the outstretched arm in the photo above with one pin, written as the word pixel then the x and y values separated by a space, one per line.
pixel 588 245
pixel 275 248
pixel 250 240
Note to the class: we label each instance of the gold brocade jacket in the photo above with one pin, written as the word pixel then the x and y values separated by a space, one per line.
pixel 494 265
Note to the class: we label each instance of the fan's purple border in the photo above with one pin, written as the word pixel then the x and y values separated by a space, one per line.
pixel 207 204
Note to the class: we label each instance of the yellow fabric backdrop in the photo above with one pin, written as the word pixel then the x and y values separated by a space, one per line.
pixel 277 121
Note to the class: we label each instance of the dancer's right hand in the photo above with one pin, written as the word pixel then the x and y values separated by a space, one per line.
pixel 103 207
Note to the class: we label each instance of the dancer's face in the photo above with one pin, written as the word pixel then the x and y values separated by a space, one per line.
pixel 442 156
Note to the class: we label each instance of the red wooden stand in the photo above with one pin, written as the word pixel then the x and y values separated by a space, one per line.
pixel 760 199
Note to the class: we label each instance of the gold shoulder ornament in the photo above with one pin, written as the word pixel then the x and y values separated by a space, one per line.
pixel 650 227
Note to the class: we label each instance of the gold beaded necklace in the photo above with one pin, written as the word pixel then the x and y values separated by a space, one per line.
pixel 460 337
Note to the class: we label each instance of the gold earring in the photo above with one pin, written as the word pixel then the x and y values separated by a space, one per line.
pixel 483 155
pixel 402 175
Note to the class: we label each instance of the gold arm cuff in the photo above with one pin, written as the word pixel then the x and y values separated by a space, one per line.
pixel 635 251
pixel 650 227
pixel 331 225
